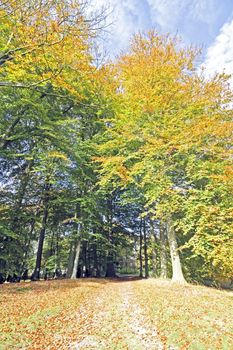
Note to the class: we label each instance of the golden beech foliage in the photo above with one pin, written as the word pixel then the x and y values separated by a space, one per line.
pixel 172 133
pixel 164 106
pixel 45 41
pixel 167 99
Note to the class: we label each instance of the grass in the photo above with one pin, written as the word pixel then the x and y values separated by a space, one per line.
pixel 190 317
pixel 89 314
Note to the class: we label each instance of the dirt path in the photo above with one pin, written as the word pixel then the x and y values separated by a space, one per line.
pixel 103 314
pixel 118 322
pixel 137 323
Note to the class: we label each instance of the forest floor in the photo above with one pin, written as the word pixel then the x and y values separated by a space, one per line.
pixel 118 314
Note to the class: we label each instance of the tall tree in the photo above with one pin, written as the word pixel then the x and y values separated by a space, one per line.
pixel 166 115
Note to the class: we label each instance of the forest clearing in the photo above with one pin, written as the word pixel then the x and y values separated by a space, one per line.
pixel 133 314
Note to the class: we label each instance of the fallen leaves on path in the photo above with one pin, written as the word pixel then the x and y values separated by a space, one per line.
pixel 187 316
pixel 114 314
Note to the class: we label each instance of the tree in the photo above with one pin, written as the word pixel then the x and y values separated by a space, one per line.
pixel 165 115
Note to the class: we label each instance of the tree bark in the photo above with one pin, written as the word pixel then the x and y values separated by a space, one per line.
pixel 145 250
pixel 36 273
pixel 76 259
pixel 95 261
pixel 163 252
pixel 110 269
pixel 177 273
pixel 154 255
pixel 140 252
pixel 70 260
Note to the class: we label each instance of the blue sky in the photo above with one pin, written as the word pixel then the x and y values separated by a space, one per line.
pixel 204 23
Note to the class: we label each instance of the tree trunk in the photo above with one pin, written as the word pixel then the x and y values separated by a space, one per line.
pixel 27 247
pixel 110 269
pixel 36 273
pixel 154 256
pixel 76 259
pixel 145 250
pixel 57 252
pixel 140 252
pixel 163 252
pixel 70 261
pixel 95 261
pixel 177 274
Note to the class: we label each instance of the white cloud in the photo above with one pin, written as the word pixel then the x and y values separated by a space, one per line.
pixel 167 13
pixel 219 55
pixel 195 20
pixel 205 11
pixel 125 18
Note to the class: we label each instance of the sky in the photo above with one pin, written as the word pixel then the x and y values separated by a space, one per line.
pixel 204 23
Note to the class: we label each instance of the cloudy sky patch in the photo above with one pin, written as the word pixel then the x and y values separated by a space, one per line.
pixel 204 23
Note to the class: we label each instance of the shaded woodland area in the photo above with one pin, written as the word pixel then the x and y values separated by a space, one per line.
pixel 110 167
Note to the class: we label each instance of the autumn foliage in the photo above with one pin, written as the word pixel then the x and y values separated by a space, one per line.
pixel 100 159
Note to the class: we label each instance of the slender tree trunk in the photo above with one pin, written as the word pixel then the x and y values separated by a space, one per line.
pixel 27 246
pixel 163 252
pixel 36 274
pixel 57 252
pixel 110 267
pixel 154 256
pixel 88 260
pixel 101 259
pixel 145 249
pixel 84 258
pixel 95 261
pixel 70 260
pixel 177 274
pixel 75 250
pixel 126 260
pixel 76 259
pixel 140 252
pixel 40 246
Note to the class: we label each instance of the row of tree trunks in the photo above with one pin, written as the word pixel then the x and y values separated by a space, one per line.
pixel 166 229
